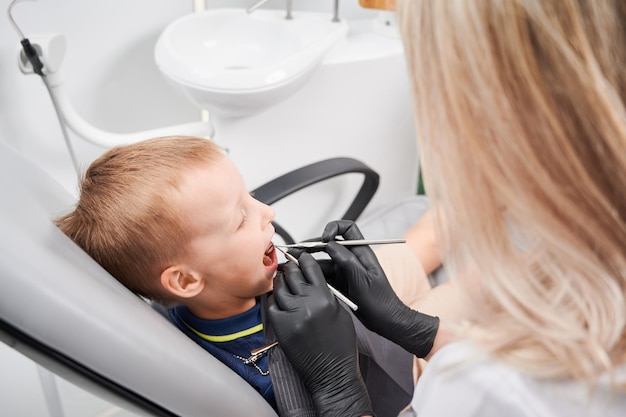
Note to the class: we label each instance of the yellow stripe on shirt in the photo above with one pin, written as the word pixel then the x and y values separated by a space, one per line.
pixel 226 337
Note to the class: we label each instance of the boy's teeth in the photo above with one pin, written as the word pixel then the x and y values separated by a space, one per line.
pixel 267 259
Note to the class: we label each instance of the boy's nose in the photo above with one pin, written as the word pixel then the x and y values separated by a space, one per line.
pixel 271 214
pixel 268 214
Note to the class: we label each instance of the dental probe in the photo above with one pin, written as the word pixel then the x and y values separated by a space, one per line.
pixel 361 242
pixel 336 292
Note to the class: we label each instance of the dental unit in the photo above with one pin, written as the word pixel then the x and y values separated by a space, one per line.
pixel 43 55
pixel 236 81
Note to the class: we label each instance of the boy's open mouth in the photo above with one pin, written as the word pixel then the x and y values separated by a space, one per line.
pixel 268 255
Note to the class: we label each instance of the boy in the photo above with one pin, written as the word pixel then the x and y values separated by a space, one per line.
pixel 172 220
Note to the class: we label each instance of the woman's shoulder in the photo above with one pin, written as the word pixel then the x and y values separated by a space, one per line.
pixel 463 380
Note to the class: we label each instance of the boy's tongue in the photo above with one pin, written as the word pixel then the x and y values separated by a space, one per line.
pixel 267 257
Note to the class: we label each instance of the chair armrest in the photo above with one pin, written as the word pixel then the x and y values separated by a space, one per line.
pixel 293 181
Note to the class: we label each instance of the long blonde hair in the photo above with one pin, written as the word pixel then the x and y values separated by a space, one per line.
pixel 127 218
pixel 522 133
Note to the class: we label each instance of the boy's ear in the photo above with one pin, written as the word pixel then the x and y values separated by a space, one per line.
pixel 181 283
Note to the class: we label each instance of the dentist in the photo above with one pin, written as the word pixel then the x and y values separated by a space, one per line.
pixel 521 117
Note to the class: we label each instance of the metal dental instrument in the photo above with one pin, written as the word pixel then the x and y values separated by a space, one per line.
pixel 335 292
pixel 361 242
pixel 259 351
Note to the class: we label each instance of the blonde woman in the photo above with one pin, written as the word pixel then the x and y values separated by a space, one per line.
pixel 520 110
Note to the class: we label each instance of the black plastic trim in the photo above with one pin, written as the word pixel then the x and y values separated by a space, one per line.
pixel 293 181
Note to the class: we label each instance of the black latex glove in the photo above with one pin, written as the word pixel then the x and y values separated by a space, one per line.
pixel 318 338
pixel 365 283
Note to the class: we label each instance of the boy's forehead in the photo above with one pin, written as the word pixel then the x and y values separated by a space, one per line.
pixel 210 193
pixel 220 168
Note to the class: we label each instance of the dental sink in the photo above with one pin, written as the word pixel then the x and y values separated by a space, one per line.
pixel 235 63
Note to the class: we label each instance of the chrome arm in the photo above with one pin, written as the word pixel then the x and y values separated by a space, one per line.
pixel 260 3
pixel 336 11
pixel 256 6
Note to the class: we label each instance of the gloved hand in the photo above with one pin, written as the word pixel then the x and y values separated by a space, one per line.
pixel 365 283
pixel 318 338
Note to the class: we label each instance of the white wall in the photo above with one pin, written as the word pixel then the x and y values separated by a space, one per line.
pixel 113 83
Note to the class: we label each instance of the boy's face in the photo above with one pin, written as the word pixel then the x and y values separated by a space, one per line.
pixel 232 248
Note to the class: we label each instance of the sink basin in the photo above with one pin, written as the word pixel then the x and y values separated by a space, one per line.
pixel 235 64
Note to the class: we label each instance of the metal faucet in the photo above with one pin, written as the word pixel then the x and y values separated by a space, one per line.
pixel 288 9
pixel 256 6
pixel 262 2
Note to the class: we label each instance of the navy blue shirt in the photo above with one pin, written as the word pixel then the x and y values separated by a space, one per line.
pixel 230 340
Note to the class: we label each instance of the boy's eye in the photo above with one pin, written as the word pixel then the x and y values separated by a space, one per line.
pixel 243 219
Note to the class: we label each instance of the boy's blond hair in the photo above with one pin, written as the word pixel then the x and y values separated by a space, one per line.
pixel 522 132
pixel 126 217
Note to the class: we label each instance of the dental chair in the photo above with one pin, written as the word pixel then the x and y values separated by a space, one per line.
pixel 62 310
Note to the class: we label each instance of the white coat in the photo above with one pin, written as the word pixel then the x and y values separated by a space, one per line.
pixel 462 381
